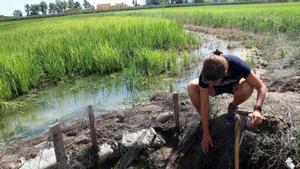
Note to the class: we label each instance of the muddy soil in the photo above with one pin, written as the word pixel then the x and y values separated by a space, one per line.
pixel 181 149
pixel 267 146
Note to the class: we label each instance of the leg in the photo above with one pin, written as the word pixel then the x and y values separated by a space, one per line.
pixel 194 93
pixel 241 92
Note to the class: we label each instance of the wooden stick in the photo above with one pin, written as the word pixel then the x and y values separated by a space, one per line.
pixel 93 129
pixel 176 110
pixel 95 148
pixel 237 134
pixel 59 148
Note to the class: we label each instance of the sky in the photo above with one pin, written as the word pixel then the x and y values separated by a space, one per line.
pixel 7 7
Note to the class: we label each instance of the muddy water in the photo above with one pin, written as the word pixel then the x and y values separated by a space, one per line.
pixel 67 102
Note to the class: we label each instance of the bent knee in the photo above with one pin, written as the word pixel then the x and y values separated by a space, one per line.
pixel 193 84
pixel 244 88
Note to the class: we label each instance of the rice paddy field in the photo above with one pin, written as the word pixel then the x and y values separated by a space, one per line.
pixel 145 41
pixel 269 17
pixel 36 51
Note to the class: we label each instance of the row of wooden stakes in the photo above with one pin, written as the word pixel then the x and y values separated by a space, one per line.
pixel 61 158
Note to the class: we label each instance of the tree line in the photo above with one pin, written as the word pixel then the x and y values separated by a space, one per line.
pixel 57 7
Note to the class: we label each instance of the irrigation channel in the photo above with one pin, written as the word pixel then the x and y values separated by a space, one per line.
pixel 67 102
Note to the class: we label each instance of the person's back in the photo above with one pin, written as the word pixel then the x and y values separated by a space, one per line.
pixel 236 70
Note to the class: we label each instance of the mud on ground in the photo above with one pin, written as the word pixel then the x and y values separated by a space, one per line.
pixel 179 149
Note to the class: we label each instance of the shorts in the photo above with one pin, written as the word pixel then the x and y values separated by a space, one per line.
pixel 227 88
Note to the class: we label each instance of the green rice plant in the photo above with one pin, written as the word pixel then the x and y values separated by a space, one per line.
pixel 53 49
pixel 154 62
pixel 188 61
pixel 274 18
pixel 268 17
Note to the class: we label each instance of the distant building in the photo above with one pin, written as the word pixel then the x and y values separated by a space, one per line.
pixel 104 6
pixel 120 5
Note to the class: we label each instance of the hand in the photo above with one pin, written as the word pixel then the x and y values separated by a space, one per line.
pixel 256 118
pixel 206 142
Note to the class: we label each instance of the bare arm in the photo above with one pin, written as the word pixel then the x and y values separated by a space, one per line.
pixel 259 85
pixel 206 137
pixel 204 93
pixel 262 90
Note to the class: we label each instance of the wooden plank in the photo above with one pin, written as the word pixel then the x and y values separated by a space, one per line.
pixel 93 129
pixel 237 134
pixel 59 148
pixel 176 110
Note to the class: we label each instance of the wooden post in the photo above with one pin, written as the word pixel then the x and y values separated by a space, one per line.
pixel 237 134
pixel 93 134
pixel 176 110
pixel 93 129
pixel 59 148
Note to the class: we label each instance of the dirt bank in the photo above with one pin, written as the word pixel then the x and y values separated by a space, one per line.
pixel 178 150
